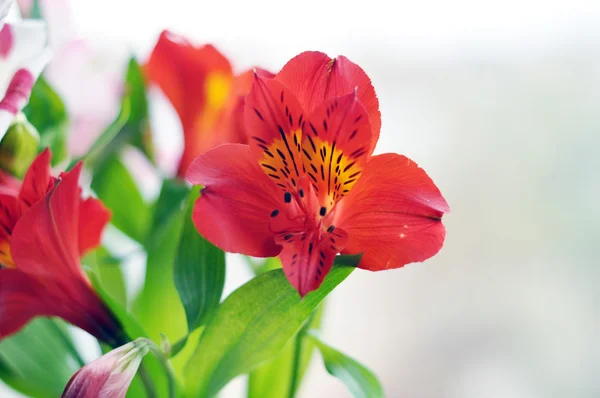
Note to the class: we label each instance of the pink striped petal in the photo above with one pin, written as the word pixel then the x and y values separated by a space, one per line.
pixel 110 375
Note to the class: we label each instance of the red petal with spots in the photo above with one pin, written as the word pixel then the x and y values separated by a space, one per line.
pixel 21 299
pixel 273 122
pixel 197 81
pixel 91 225
pixel 307 256
pixel 234 210
pixel 335 147
pixel 347 76
pixel 393 214
pixel 37 181
pixel 45 246
pixel 307 76
pixel 314 78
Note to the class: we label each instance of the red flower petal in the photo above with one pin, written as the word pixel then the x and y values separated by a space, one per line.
pixel 307 76
pixel 45 245
pixel 393 214
pixel 308 256
pixel 46 238
pixel 314 78
pixel 37 181
pixel 91 225
pixel 9 185
pixel 273 124
pixel 234 209
pixel 198 82
pixel 347 76
pixel 11 209
pixel 335 146
pixel 21 299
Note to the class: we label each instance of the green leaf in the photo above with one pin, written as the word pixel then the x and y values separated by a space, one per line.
pixel 40 359
pixel 199 271
pixel 110 273
pixel 251 326
pixel 359 380
pixel 138 126
pixel 47 113
pixel 158 306
pixel 115 186
pixel 102 147
pixel 150 365
pixel 274 378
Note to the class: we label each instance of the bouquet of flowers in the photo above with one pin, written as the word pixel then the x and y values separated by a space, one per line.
pixel 277 166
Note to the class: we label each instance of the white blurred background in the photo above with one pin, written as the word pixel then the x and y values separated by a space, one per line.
pixel 500 103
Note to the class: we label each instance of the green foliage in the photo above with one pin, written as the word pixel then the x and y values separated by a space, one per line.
pixel 112 182
pixel 199 271
pixel 158 307
pixel 252 325
pixel 47 113
pixel 131 126
pixel 282 375
pixel 40 359
pixel 359 380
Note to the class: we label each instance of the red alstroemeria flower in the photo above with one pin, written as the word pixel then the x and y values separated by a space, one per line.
pixel 208 97
pixel 307 187
pixel 44 231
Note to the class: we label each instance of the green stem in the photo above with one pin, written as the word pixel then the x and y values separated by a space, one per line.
pixel 147 381
pixel 165 364
pixel 296 364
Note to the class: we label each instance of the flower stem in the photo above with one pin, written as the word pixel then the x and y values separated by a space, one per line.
pixel 147 381
pixel 296 363
pixel 165 364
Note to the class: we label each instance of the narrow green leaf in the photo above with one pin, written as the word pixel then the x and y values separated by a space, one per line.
pixel 251 326
pixel 359 380
pixel 40 359
pixel 115 186
pixel 108 268
pixel 131 126
pixel 150 365
pixel 199 271
pixel 158 306
pixel 274 378
pixel 47 113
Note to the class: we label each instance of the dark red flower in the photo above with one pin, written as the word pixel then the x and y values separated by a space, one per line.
pixel 306 187
pixel 44 230
pixel 208 97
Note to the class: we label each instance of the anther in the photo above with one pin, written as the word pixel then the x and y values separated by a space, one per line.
pixel 287 197
pixel 323 211
pixel 274 213
pixel 331 228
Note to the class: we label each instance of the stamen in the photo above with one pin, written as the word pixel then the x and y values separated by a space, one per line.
pixel 323 211
pixel 275 213
pixel 331 228
pixel 287 197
